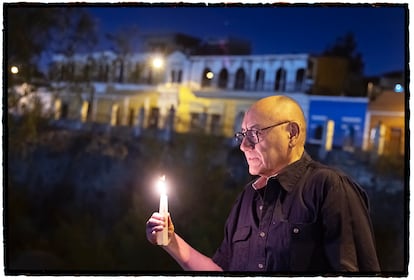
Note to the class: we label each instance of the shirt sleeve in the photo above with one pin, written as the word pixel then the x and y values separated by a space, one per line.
pixel 223 255
pixel 348 234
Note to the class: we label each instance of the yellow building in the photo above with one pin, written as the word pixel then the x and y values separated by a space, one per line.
pixel 215 115
pixel 387 121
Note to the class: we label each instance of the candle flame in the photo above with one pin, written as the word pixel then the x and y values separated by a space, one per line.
pixel 161 185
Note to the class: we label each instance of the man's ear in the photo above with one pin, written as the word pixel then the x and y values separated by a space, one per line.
pixel 294 130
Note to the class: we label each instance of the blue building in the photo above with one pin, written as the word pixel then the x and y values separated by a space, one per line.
pixel 348 115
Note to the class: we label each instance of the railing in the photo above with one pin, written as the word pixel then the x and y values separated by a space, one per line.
pixel 266 87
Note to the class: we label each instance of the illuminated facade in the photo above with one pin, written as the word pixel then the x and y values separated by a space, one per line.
pixel 210 93
pixel 207 91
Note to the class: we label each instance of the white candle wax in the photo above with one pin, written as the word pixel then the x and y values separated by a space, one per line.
pixel 162 236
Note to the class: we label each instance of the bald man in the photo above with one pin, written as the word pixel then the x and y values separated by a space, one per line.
pixel 297 216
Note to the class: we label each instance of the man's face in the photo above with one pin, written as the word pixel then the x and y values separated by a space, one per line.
pixel 271 153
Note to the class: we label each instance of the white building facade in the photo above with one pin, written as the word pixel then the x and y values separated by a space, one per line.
pixel 277 73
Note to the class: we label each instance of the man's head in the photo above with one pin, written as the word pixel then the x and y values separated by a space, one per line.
pixel 274 130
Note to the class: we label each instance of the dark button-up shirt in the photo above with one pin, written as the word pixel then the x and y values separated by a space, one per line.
pixel 308 218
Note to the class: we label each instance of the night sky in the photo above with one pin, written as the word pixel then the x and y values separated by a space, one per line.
pixel 379 31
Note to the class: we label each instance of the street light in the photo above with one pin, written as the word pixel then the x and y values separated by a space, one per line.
pixel 14 77
pixel 157 62
pixel 14 70
pixel 209 75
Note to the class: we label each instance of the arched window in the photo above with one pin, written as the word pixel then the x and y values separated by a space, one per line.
pixel 136 73
pixel 101 72
pixel 86 72
pixel 106 73
pixel 280 80
pixel 240 79
pixel 173 76
pixel 179 76
pixel 71 71
pixel 176 76
pixel 259 79
pixel 205 80
pixel 63 72
pixel 223 78
pixel 300 77
pixel 120 63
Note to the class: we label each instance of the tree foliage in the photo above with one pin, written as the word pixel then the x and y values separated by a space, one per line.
pixel 123 43
pixel 345 46
pixel 81 34
pixel 123 40
pixel 32 30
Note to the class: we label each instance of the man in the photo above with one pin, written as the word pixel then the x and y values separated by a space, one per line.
pixel 298 216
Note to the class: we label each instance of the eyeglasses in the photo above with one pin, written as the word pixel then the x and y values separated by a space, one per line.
pixel 252 135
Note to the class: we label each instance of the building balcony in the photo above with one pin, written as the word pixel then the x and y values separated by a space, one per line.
pixel 253 90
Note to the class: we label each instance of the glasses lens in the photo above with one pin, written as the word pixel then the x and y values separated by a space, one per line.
pixel 239 137
pixel 251 136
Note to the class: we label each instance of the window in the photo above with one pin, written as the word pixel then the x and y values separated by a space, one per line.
pixel 259 79
pixel 309 71
pixel 176 76
pixel 215 124
pixel 179 76
pixel 205 79
pixel 223 78
pixel 240 79
pixel 154 117
pixel 195 121
pixel 300 76
pixel 280 80
pixel 395 141
pixel 131 117
pixel 317 133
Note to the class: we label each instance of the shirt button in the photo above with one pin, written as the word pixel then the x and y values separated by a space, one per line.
pixel 262 234
pixel 260 265
pixel 295 230
pixel 261 207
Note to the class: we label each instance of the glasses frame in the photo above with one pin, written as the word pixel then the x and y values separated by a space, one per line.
pixel 240 136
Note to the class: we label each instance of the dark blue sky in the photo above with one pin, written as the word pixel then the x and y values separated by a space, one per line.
pixel 379 31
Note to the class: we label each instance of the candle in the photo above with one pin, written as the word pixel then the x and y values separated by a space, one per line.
pixel 162 236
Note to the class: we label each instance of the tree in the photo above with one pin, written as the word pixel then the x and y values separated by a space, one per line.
pixel 123 43
pixel 81 34
pixel 346 47
pixel 32 30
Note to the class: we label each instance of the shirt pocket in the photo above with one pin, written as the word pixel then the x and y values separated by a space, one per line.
pixel 240 243
pixel 305 246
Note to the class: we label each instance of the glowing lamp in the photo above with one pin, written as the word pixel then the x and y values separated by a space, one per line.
pixel 14 69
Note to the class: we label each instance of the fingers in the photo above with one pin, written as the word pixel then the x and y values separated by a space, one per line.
pixel 155 220
pixel 154 224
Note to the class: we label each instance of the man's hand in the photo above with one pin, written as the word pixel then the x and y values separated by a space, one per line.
pixel 155 224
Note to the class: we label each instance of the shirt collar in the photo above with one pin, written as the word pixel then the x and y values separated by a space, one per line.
pixel 261 182
pixel 289 176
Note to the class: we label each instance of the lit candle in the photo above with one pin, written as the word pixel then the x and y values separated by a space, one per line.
pixel 162 236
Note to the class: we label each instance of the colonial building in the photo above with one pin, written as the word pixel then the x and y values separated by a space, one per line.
pixel 210 93
pixel 386 116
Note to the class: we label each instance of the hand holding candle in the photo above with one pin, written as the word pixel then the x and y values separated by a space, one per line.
pixel 162 236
